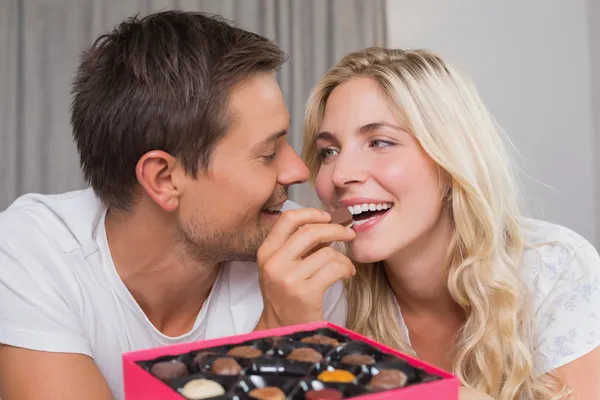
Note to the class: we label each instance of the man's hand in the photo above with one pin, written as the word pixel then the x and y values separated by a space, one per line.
pixel 28 375
pixel 297 265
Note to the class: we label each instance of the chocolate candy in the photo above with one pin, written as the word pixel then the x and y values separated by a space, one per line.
pixel 245 352
pixel 166 370
pixel 266 367
pixel 202 389
pixel 388 379
pixel 267 393
pixel 324 394
pixel 320 339
pixel 201 357
pixel 317 364
pixel 358 359
pixel 341 216
pixel 226 366
pixel 305 354
pixel 337 375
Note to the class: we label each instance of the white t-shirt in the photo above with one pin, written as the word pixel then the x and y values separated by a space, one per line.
pixel 60 292
pixel 562 271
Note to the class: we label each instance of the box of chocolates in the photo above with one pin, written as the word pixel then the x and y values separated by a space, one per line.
pixel 316 361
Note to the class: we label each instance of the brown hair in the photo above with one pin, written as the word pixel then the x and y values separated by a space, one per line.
pixel 159 83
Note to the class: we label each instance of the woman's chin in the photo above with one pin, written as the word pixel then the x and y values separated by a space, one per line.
pixel 365 256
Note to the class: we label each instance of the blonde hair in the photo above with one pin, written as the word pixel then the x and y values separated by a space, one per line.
pixel 442 109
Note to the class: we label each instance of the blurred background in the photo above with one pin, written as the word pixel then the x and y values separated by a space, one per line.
pixel 536 63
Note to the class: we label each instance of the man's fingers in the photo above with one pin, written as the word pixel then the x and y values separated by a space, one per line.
pixel 287 225
pixel 325 276
pixel 307 268
pixel 308 237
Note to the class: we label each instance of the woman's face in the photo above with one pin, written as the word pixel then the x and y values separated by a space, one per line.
pixel 371 164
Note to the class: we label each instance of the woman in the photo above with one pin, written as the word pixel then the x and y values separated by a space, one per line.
pixel 448 269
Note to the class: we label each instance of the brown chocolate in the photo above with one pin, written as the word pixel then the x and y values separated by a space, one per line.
pixel 267 393
pixel 341 216
pixel 226 366
pixel 358 359
pixel 320 339
pixel 388 379
pixel 305 354
pixel 202 356
pixel 324 394
pixel 166 370
pixel 245 352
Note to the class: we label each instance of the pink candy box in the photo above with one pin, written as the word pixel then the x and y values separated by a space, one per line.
pixel 294 378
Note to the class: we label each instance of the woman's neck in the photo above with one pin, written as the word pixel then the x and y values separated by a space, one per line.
pixel 418 280
pixel 417 274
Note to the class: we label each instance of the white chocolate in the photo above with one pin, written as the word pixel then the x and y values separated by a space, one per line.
pixel 202 389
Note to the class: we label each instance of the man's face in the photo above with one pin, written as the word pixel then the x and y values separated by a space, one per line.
pixel 227 213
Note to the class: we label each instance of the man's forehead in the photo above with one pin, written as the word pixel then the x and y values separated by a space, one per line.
pixel 255 92
pixel 271 138
pixel 257 110
pixel 260 129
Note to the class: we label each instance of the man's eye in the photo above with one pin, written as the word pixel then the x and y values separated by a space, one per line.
pixel 269 158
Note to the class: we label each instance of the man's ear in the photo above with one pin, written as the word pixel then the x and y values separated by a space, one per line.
pixel 158 173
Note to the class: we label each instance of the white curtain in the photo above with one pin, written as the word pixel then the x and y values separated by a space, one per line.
pixel 40 42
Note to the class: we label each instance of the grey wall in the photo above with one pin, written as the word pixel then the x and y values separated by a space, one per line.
pixel 532 61
pixel 594 31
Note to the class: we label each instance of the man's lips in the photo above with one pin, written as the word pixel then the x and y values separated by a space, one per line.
pixel 274 207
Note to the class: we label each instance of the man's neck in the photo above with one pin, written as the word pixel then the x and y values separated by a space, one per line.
pixel 151 260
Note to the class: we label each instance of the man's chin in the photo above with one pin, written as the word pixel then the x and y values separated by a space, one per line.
pixel 253 243
pixel 244 258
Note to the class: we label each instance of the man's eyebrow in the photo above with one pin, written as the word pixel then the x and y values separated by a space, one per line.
pixel 270 139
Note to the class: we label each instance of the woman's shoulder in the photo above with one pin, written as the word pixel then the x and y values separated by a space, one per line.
pixel 539 232
pixel 552 250
pixel 562 270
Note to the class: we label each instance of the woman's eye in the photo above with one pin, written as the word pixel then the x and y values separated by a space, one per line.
pixel 380 143
pixel 327 152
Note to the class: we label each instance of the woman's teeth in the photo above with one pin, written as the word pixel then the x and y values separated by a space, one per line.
pixel 360 208
pixel 362 213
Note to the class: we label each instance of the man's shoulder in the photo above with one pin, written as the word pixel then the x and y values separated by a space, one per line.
pixel 41 279
pixel 65 221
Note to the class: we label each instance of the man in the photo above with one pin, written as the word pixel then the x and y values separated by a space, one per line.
pixel 181 130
